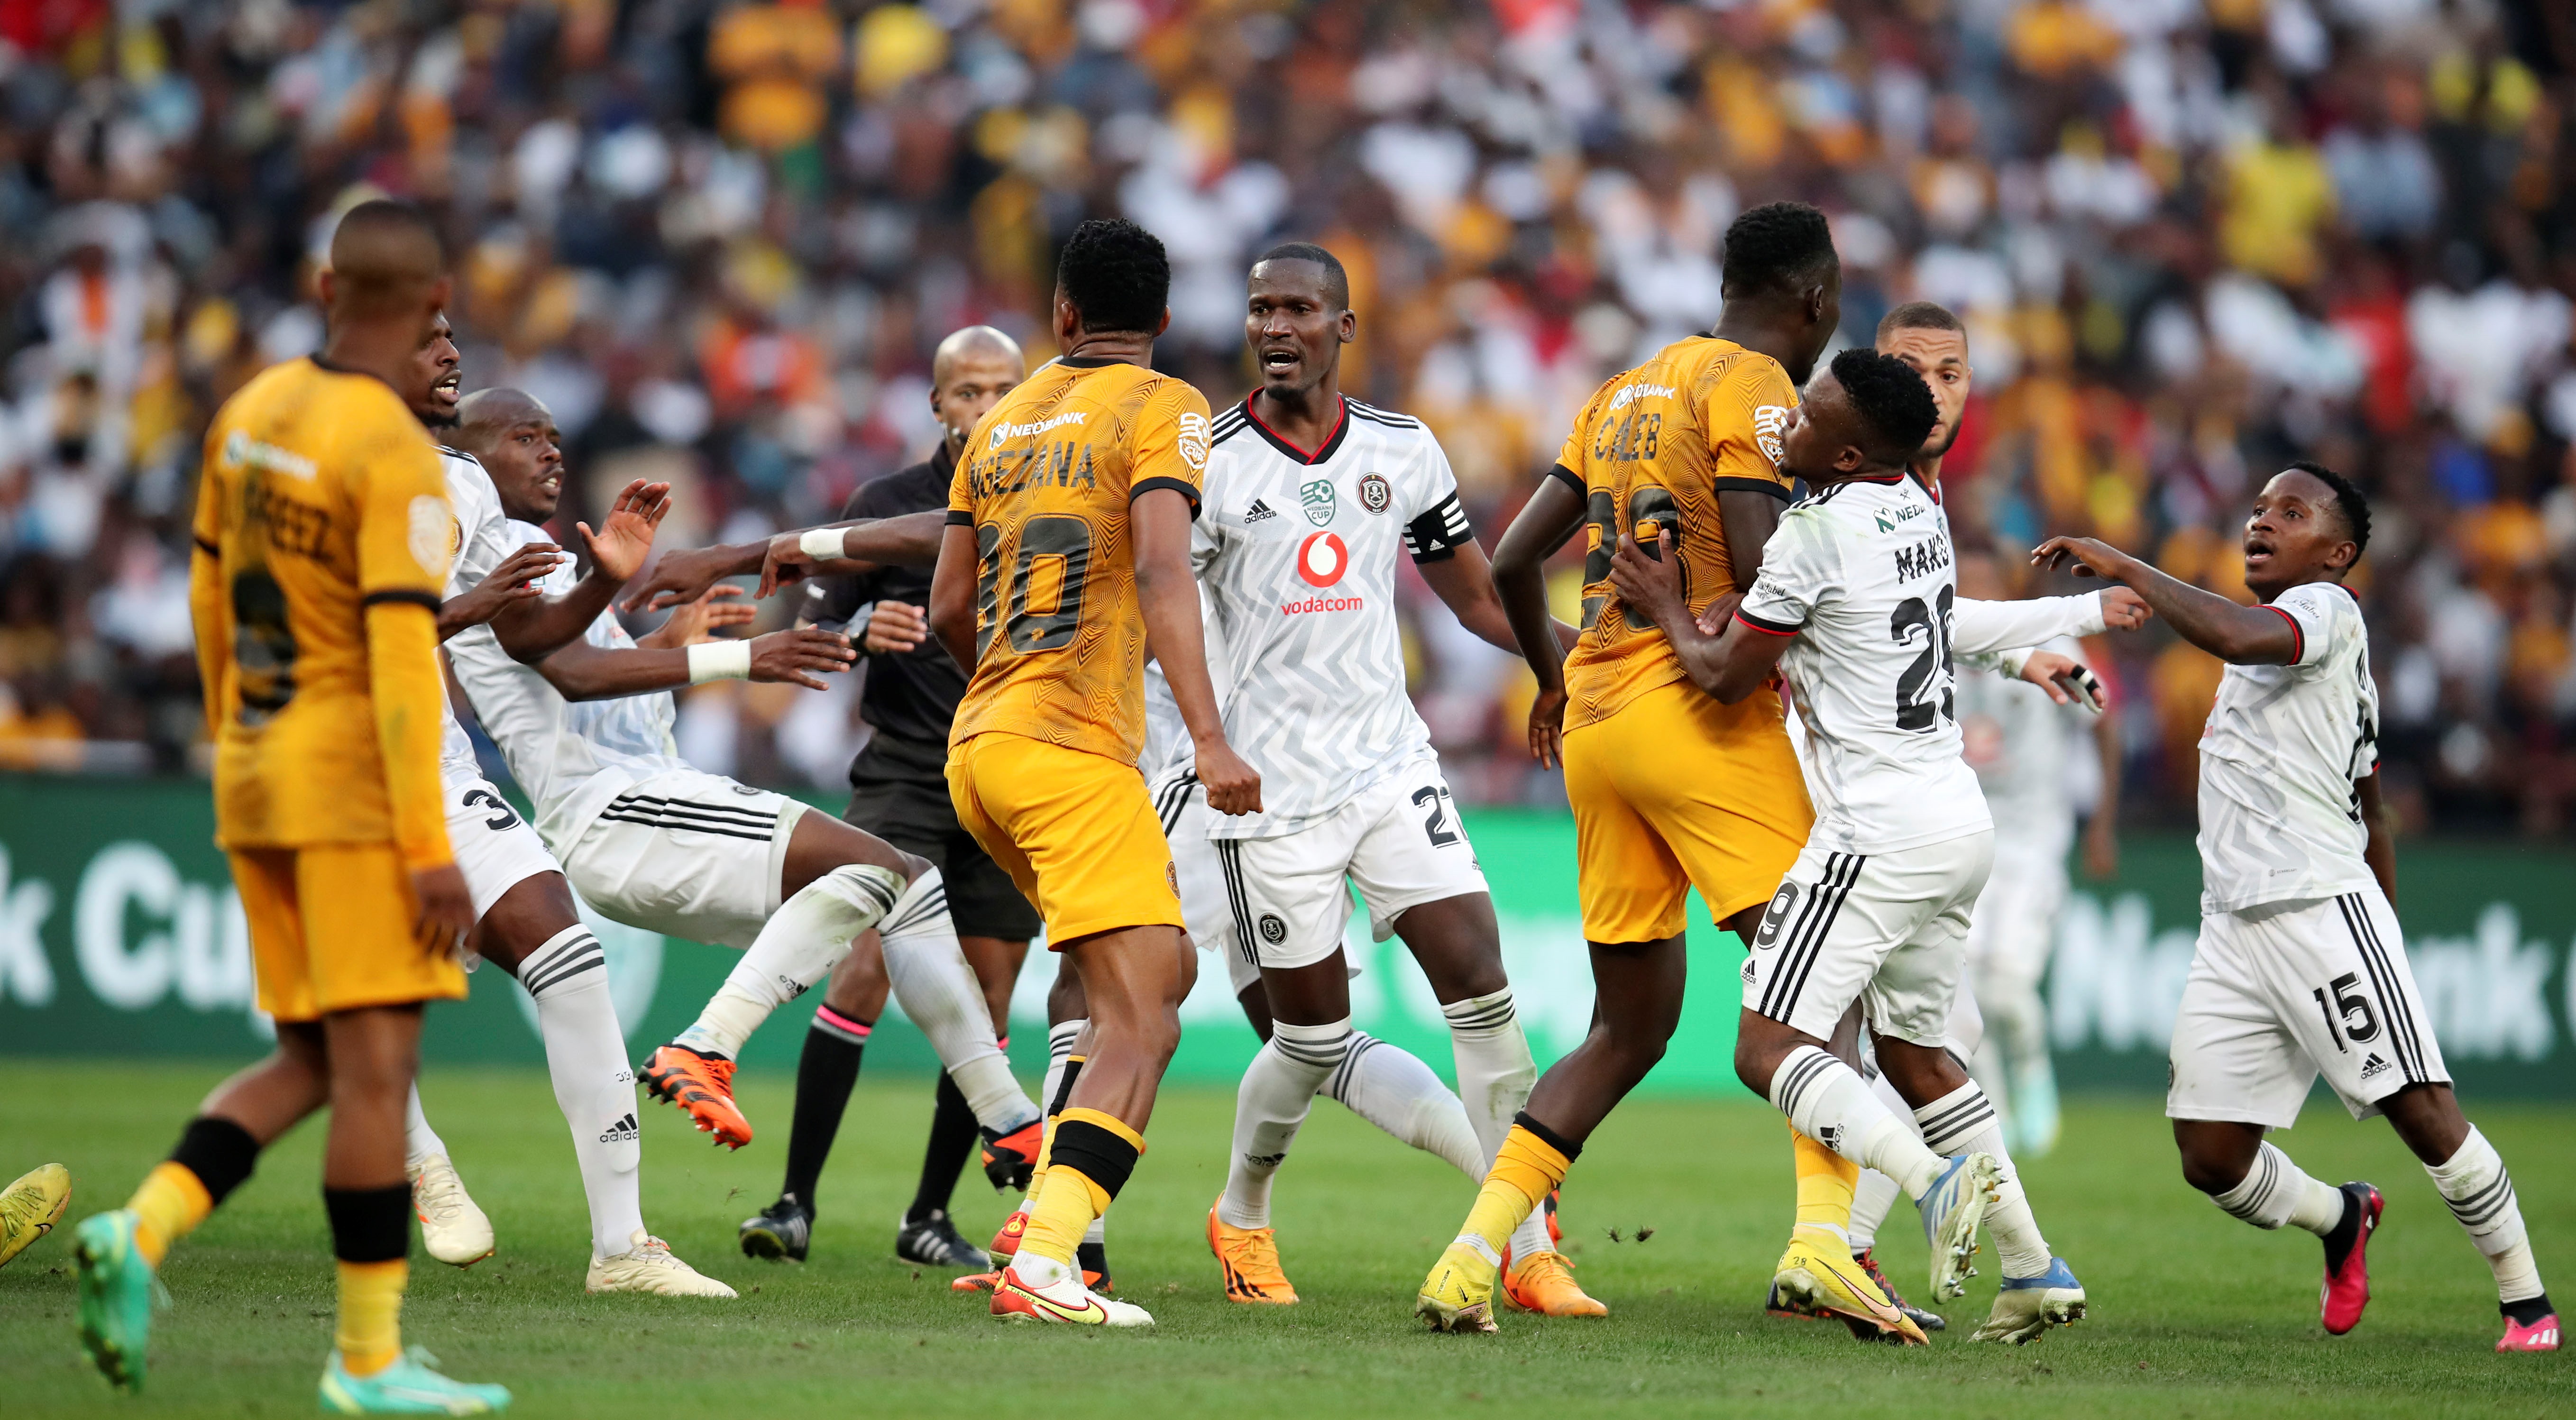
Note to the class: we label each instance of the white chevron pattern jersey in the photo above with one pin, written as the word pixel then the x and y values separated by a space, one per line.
pixel 1297 554
pixel 1863 576
pixel 570 759
pixel 482 541
pixel 2279 818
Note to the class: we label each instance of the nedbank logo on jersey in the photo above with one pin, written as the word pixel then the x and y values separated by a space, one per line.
pixel 1320 503
pixel 1888 520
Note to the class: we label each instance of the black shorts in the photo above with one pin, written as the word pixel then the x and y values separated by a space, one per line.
pixel 917 817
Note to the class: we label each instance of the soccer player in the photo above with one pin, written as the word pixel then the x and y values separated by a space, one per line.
pixel 527 923
pixel 652 842
pixel 1310 498
pixel 1832 1194
pixel 899 791
pixel 1854 607
pixel 323 536
pixel 1067 549
pixel 2300 969
pixel 1670 788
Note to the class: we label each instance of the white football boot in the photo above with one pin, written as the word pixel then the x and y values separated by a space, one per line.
pixel 452 1229
pixel 648 1266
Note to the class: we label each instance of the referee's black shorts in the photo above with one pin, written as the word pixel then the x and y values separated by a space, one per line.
pixel 916 816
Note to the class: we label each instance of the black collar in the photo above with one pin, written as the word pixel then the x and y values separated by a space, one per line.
pixel 1331 442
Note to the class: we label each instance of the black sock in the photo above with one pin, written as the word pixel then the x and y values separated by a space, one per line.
pixel 825 1075
pixel 2528 1310
pixel 952 1141
pixel 1092 1257
pixel 2343 1235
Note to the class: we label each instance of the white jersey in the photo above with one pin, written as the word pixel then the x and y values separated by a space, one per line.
pixel 2020 743
pixel 570 759
pixel 483 540
pixel 1167 737
pixel 1862 574
pixel 1298 556
pixel 2280 820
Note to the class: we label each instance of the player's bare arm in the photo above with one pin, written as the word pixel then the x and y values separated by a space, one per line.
pixel 535 629
pixel 515 580
pixel 1520 582
pixel 2238 635
pixel 694 623
pixel 912 540
pixel 1168 597
pixel 1730 665
pixel 1464 582
pixel 2379 846
pixel 582 671
pixel 684 575
pixel 952 595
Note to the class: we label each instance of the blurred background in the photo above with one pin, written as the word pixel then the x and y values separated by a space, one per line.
pixel 2192 239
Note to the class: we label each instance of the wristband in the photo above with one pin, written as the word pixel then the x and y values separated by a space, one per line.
pixel 2012 663
pixel 719 660
pixel 822 544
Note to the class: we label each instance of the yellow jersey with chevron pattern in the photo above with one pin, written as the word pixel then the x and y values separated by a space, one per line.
pixel 1045 482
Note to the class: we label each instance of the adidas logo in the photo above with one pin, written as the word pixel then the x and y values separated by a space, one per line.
pixel 1265 1161
pixel 623 1131
pixel 1831 1136
pixel 1258 512
pixel 2373 1066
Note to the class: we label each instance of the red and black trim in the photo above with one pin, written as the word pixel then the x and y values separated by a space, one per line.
pixel 1766 627
pixel 405 595
pixel 1332 442
pixel 2298 634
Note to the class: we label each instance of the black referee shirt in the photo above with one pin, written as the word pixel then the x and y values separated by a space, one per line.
pixel 911 696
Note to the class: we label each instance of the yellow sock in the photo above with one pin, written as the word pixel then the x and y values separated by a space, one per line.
pixel 1059 1216
pixel 1525 1168
pixel 1825 1182
pixel 370 1332
pixel 168 1206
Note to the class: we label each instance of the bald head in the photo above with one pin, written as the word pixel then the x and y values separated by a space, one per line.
pixel 386 262
pixel 512 434
pixel 971 372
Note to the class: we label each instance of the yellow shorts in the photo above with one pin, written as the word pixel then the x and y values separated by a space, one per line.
pixel 331 930
pixel 1074 830
pixel 1674 791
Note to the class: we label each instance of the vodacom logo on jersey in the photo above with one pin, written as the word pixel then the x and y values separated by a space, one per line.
pixel 1321 559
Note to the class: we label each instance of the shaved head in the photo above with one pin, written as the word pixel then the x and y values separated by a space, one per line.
pixel 483 415
pixel 512 434
pixel 386 261
pixel 972 342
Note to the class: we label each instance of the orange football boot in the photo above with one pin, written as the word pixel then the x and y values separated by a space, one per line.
pixel 1249 1258
pixel 1009 1160
pixel 1543 1282
pixel 703 1086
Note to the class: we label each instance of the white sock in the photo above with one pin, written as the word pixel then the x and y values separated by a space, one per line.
pixel 2474 1182
pixel 1391 1088
pixel 586 1057
pixel 419 1140
pixel 1495 1074
pixel 1061 1038
pixel 1964 1122
pixel 798 946
pixel 938 990
pixel 1831 1104
pixel 2275 1191
pixel 1277 1093
pixel 1872 1198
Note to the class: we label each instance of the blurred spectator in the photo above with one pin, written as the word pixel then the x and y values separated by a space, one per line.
pixel 2191 239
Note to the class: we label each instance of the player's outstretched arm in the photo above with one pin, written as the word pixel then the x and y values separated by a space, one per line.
pixel 1159 520
pixel 2238 635
pixel 1979 628
pixel 1730 665
pixel 582 671
pixel 683 575
pixel 1519 575
pixel 211 613
pixel 530 631
pixel 1464 581
pixel 853 548
pixel 515 580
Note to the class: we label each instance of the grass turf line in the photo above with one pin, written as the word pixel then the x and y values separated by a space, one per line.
pixel 2195 1315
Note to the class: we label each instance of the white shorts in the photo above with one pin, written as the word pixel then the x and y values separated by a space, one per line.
pixel 1399 842
pixel 1205 915
pixel 495 849
pixel 2015 925
pixel 688 855
pixel 2285 992
pixel 1888 930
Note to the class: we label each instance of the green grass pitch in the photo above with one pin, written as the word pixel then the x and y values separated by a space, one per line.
pixel 2194 1315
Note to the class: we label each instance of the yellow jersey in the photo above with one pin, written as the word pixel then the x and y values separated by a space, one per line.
pixel 323 536
pixel 1653 449
pixel 1045 482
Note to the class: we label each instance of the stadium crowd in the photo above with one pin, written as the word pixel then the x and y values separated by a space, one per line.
pixel 2191 238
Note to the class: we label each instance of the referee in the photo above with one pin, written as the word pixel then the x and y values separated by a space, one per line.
pixel 899 792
